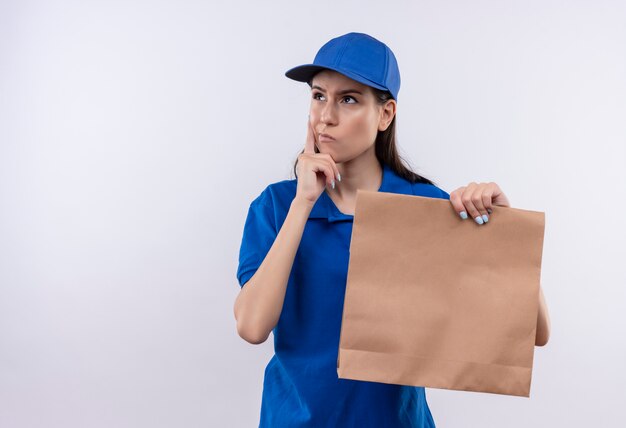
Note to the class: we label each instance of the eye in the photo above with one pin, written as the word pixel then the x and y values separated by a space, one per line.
pixel 347 97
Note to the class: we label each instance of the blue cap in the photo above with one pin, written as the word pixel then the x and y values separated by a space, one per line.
pixel 358 56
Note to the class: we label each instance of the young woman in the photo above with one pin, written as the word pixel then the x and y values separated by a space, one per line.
pixel 294 253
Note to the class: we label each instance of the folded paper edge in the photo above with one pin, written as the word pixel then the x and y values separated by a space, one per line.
pixel 417 371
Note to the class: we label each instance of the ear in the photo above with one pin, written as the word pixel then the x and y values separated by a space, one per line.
pixel 387 113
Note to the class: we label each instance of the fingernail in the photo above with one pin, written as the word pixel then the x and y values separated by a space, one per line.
pixel 338 177
pixel 332 183
pixel 479 220
pixel 485 218
pixel 463 215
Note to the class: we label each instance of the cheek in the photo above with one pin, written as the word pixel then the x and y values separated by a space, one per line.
pixel 368 128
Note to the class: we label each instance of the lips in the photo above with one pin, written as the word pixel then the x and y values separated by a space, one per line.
pixel 326 137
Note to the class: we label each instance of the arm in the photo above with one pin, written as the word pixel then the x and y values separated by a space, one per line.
pixel 260 301
pixel 543 322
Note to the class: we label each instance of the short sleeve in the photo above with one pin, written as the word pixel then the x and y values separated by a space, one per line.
pixel 259 233
pixel 444 194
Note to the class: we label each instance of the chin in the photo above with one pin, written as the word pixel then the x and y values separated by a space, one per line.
pixel 325 150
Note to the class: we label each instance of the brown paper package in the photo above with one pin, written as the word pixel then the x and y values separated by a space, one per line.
pixel 437 301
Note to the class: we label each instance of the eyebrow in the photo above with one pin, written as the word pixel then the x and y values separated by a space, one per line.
pixel 345 91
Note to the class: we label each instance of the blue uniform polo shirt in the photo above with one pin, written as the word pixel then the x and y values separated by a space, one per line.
pixel 300 386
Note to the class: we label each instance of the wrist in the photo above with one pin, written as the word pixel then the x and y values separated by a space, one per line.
pixel 302 205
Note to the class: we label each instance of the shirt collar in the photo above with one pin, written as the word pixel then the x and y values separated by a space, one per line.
pixel 392 183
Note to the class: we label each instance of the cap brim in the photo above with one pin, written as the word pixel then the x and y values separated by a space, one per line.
pixel 304 73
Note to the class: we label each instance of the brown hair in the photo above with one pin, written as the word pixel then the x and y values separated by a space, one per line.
pixel 385 146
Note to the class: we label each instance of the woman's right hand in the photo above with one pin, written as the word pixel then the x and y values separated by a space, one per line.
pixel 315 170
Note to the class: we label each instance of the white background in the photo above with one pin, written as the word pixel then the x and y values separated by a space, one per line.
pixel 134 135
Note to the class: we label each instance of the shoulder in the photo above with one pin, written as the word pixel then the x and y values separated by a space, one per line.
pixel 401 182
pixel 275 200
pixel 429 190
pixel 277 193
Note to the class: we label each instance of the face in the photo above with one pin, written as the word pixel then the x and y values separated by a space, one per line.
pixel 347 111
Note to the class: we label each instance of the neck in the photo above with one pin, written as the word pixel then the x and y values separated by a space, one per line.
pixel 363 172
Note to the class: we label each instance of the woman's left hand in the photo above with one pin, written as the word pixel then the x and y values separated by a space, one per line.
pixel 477 199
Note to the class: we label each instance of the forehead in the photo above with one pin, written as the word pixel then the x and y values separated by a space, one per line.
pixel 334 81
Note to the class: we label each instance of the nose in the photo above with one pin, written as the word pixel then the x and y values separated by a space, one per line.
pixel 328 114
